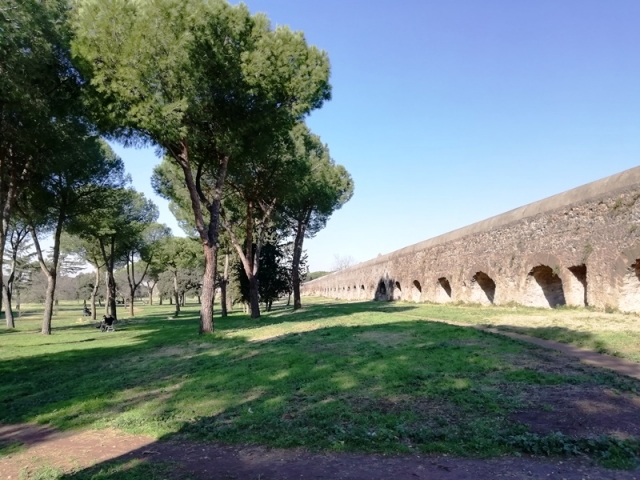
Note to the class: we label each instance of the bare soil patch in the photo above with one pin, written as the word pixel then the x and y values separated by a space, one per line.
pixel 77 451
pixel 581 411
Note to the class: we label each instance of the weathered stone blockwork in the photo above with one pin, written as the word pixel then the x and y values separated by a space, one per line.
pixel 580 247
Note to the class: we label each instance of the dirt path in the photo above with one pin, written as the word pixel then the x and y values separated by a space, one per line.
pixel 75 451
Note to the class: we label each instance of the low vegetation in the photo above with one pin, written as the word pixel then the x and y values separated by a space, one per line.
pixel 610 333
pixel 367 377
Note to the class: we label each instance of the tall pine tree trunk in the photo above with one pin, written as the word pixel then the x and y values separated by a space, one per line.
pixel 50 272
pixel 209 233
pixel 131 278
pixel 250 264
pixel 6 218
pixel 295 265
pixel 6 297
pixel 254 296
pixel 109 260
pixel 94 294
pixel 48 303
pixel 208 289
pixel 223 287
pixel 132 293
pixel 176 292
pixel 111 294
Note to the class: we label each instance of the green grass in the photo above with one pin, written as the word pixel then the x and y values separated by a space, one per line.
pixel 366 377
pixel 610 333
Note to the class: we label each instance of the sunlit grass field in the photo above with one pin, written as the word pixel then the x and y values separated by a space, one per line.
pixel 610 333
pixel 368 377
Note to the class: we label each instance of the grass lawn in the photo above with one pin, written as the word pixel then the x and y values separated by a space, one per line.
pixel 611 333
pixel 368 377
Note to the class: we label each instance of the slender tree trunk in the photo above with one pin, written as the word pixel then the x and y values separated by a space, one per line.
pixel 254 296
pixel 176 293
pixel 94 294
pixel 110 304
pixel 50 272
pixel 223 287
pixel 208 233
pixel 6 297
pixel 161 297
pixel 48 304
pixel 251 259
pixel 151 288
pixel 6 218
pixel 132 293
pixel 18 303
pixel 111 292
pixel 132 283
pixel 208 289
pixel 295 265
pixel 8 289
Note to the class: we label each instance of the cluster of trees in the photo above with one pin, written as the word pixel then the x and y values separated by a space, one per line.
pixel 222 96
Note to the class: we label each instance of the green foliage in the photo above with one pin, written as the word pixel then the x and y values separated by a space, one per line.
pixel 326 187
pixel 168 182
pixel 609 451
pixel 318 274
pixel 154 69
pixel 274 276
pixel 38 85
pixel 121 216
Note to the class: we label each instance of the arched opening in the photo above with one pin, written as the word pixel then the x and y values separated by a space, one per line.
pixel 397 291
pixel 630 291
pixel 443 290
pixel 446 286
pixel 483 289
pixel 544 288
pixel 416 291
pixel 576 293
pixel 381 291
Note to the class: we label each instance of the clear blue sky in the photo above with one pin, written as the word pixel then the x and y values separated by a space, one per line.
pixel 449 112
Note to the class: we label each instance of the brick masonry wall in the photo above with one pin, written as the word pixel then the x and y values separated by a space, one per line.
pixel 581 247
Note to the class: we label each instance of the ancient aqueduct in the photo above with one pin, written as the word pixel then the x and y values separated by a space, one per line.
pixel 580 247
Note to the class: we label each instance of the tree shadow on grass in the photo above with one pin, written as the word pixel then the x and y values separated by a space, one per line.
pixel 371 388
pixel 312 312
pixel 565 335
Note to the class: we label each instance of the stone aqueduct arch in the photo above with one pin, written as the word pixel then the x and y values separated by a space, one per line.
pixel 578 248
